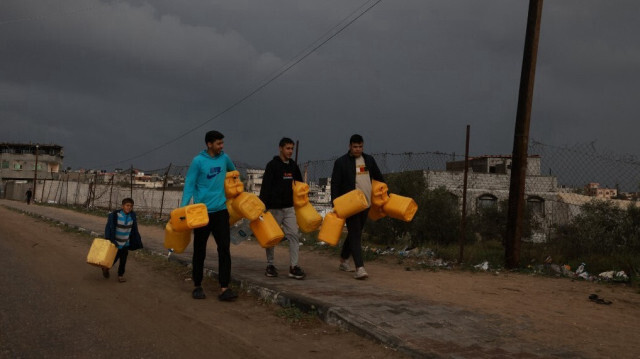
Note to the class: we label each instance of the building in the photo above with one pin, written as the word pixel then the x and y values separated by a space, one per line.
pixel 593 189
pixel 488 183
pixel 18 160
pixel 21 163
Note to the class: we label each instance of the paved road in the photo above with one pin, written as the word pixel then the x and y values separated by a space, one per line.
pixel 54 305
pixel 406 319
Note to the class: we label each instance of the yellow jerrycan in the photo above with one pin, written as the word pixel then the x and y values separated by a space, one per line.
pixel 233 215
pixel 400 207
pixel 331 229
pixel 376 212
pixel 350 203
pixel 300 193
pixel 308 218
pixel 266 230
pixel 102 253
pixel 232 184
pixel 379 193
pixel 174 240
pixel 248 205
pixel 189 217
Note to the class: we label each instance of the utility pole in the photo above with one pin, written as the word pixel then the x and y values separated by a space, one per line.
pixel 521 137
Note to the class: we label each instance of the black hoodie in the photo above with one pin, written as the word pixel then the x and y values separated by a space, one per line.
pixel 276 191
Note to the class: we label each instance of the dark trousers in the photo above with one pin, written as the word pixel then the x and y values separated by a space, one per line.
pixel 219 227
pixel 352 245
pixel 122 254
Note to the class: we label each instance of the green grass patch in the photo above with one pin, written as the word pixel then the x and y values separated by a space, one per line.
pixel 295 315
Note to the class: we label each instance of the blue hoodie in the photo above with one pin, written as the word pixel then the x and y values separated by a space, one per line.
pixel 205 181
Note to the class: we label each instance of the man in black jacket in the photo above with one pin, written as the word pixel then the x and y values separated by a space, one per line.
pixel 277 194
pixel 354 170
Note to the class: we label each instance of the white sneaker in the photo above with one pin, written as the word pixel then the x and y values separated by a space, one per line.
pixel 345 267
pixel 361 273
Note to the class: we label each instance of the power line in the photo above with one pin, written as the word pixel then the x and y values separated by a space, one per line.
pixel 344 23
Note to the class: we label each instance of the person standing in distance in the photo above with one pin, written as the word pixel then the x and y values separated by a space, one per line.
pixel 354 170
pixel 277 194
pixel 205 184
pixel 29 194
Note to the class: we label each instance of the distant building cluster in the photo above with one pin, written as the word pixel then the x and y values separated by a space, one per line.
pixel 593 189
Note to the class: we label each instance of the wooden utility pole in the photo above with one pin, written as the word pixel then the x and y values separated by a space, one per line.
pixel 521 137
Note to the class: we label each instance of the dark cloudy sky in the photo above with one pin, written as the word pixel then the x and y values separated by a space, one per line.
pixel 114 80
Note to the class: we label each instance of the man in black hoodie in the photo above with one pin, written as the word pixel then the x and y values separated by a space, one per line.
pixel 277 194
pixel 354 170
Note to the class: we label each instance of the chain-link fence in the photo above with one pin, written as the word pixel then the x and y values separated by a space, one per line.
pixel 579 197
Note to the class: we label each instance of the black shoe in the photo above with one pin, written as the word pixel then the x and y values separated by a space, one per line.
pixel 296 272
pixel 105 272
pixel 198 293
pixel 271 271
pixel 227 296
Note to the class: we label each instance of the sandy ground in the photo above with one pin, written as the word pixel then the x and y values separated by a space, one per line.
pixel 552 311
pixel 53 304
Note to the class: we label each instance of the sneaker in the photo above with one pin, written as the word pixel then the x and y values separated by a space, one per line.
pixel 105 272
pixel 198 293
pixel 227 296
pixel 122 279
pixel 271 271
pixel 296 272
pixel 345 267
pixel 361 273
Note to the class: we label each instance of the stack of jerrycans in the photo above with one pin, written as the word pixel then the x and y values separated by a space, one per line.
pixel 392 205
pixel 344 207
pixel 177 233
pixel 307 217
pixel 379 197
pixel 232 188
pixel 242 204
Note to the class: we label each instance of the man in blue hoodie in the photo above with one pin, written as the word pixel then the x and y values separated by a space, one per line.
pixel 205 184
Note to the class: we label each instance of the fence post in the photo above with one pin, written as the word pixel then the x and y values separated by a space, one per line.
pixel 49 191
pixel 131 183
pixel 164 187
pixel 111 191
pixel 95 185
pixel 66 193
pixel 463 218
pixel 44 182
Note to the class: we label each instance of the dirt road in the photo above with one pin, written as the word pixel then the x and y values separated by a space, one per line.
pixel 53 304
